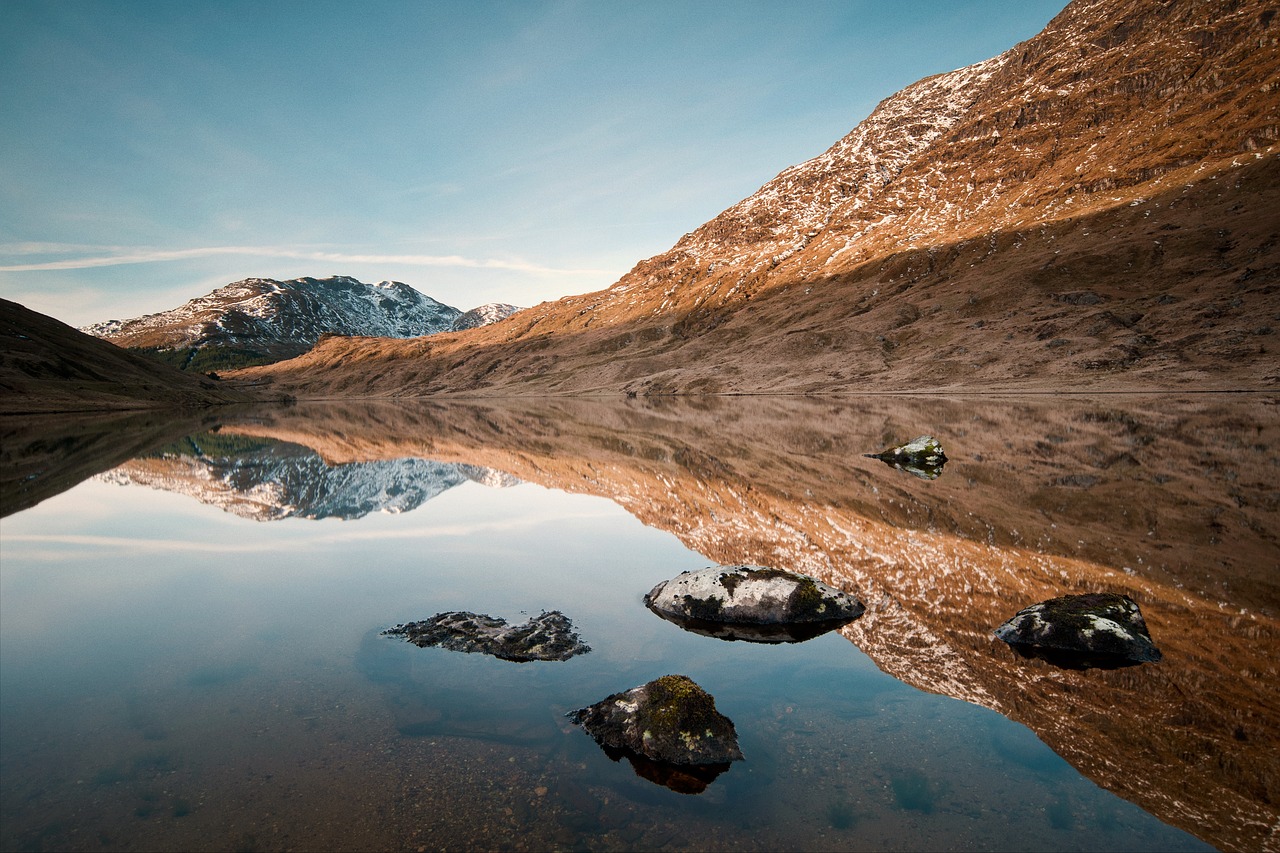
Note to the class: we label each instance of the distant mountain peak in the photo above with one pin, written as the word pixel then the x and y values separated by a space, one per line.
pixel 483 315
pixel 260 320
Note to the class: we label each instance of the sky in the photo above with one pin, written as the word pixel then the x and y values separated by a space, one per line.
pixel 478 150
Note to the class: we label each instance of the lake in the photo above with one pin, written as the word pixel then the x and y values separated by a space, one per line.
pixel 191 611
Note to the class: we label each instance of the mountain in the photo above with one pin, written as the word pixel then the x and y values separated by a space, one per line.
pixel 260 320
pixel 1097 207
pixel 269 480
pixel 47 366
pixel 483 315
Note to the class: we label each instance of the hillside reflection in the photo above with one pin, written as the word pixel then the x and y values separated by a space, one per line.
pixel 1170 501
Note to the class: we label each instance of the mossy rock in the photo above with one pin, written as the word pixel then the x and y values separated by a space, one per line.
pixel 670 719
pixel 922 457
pixel 1098 629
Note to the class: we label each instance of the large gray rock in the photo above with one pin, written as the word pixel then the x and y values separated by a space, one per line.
pixel 549 636
pixel 751 595
pixel 670 720
pixel 1095 629
pixel 921 456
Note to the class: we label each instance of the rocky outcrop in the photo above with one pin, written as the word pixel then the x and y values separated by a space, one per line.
pixel 752 595
pixel 922 457
pixel 549 636
pixel 1101 629
pixel 669 720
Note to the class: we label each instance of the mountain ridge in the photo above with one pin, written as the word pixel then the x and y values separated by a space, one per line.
pixel 1118 105
pixel 260 320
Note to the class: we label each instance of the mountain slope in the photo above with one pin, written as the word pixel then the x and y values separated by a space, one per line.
pixel 260 320
pixel 47 366
pixel 1096 206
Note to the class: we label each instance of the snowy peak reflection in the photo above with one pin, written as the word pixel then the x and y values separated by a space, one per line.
pixel 267 480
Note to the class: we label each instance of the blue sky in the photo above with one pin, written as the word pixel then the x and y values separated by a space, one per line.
pixel 479 151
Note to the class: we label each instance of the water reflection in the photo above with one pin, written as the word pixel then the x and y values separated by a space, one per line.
pixel 1169 501
pixel 1166 500
pixel 269 480
pixel 793 632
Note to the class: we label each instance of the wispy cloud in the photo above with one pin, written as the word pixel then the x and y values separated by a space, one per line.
pixel 90 257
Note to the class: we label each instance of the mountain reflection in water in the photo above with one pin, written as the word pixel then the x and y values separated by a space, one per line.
pixel 1171 501
pixel 269 480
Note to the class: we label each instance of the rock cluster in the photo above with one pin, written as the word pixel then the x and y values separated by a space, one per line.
pixel 549 636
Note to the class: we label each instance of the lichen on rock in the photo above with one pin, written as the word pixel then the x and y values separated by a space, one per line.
pixel 1094 629
pixel 922 457
pixel 752 596
pixel 670 719
pixel 549 636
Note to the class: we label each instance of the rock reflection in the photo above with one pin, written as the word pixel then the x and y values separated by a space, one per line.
pixel 681 778
pixel 795 632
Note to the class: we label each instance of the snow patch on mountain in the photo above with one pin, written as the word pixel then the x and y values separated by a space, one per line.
pixel 265 313
pixel 483 315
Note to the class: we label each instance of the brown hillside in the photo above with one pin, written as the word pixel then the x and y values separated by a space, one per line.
pixel 1094 208
pixel 47 366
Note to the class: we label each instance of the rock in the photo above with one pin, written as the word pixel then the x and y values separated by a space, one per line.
pixel 669 720
pixel 751 596
pixel 549 636
pixel 921 456
pixel 1100 629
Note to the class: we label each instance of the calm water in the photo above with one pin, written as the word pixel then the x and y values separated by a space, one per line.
pixel 190 654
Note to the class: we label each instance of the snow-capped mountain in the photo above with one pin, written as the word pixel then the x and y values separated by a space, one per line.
pixel 259 320
pixel 266 480
pixel 483 315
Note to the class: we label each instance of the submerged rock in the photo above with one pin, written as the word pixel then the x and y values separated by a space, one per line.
pixel 921 456
pixel 549 636
pixel 750 595
pixel 670 720
pixel 1096 629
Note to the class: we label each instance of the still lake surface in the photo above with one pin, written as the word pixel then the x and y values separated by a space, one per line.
pixel 191 657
